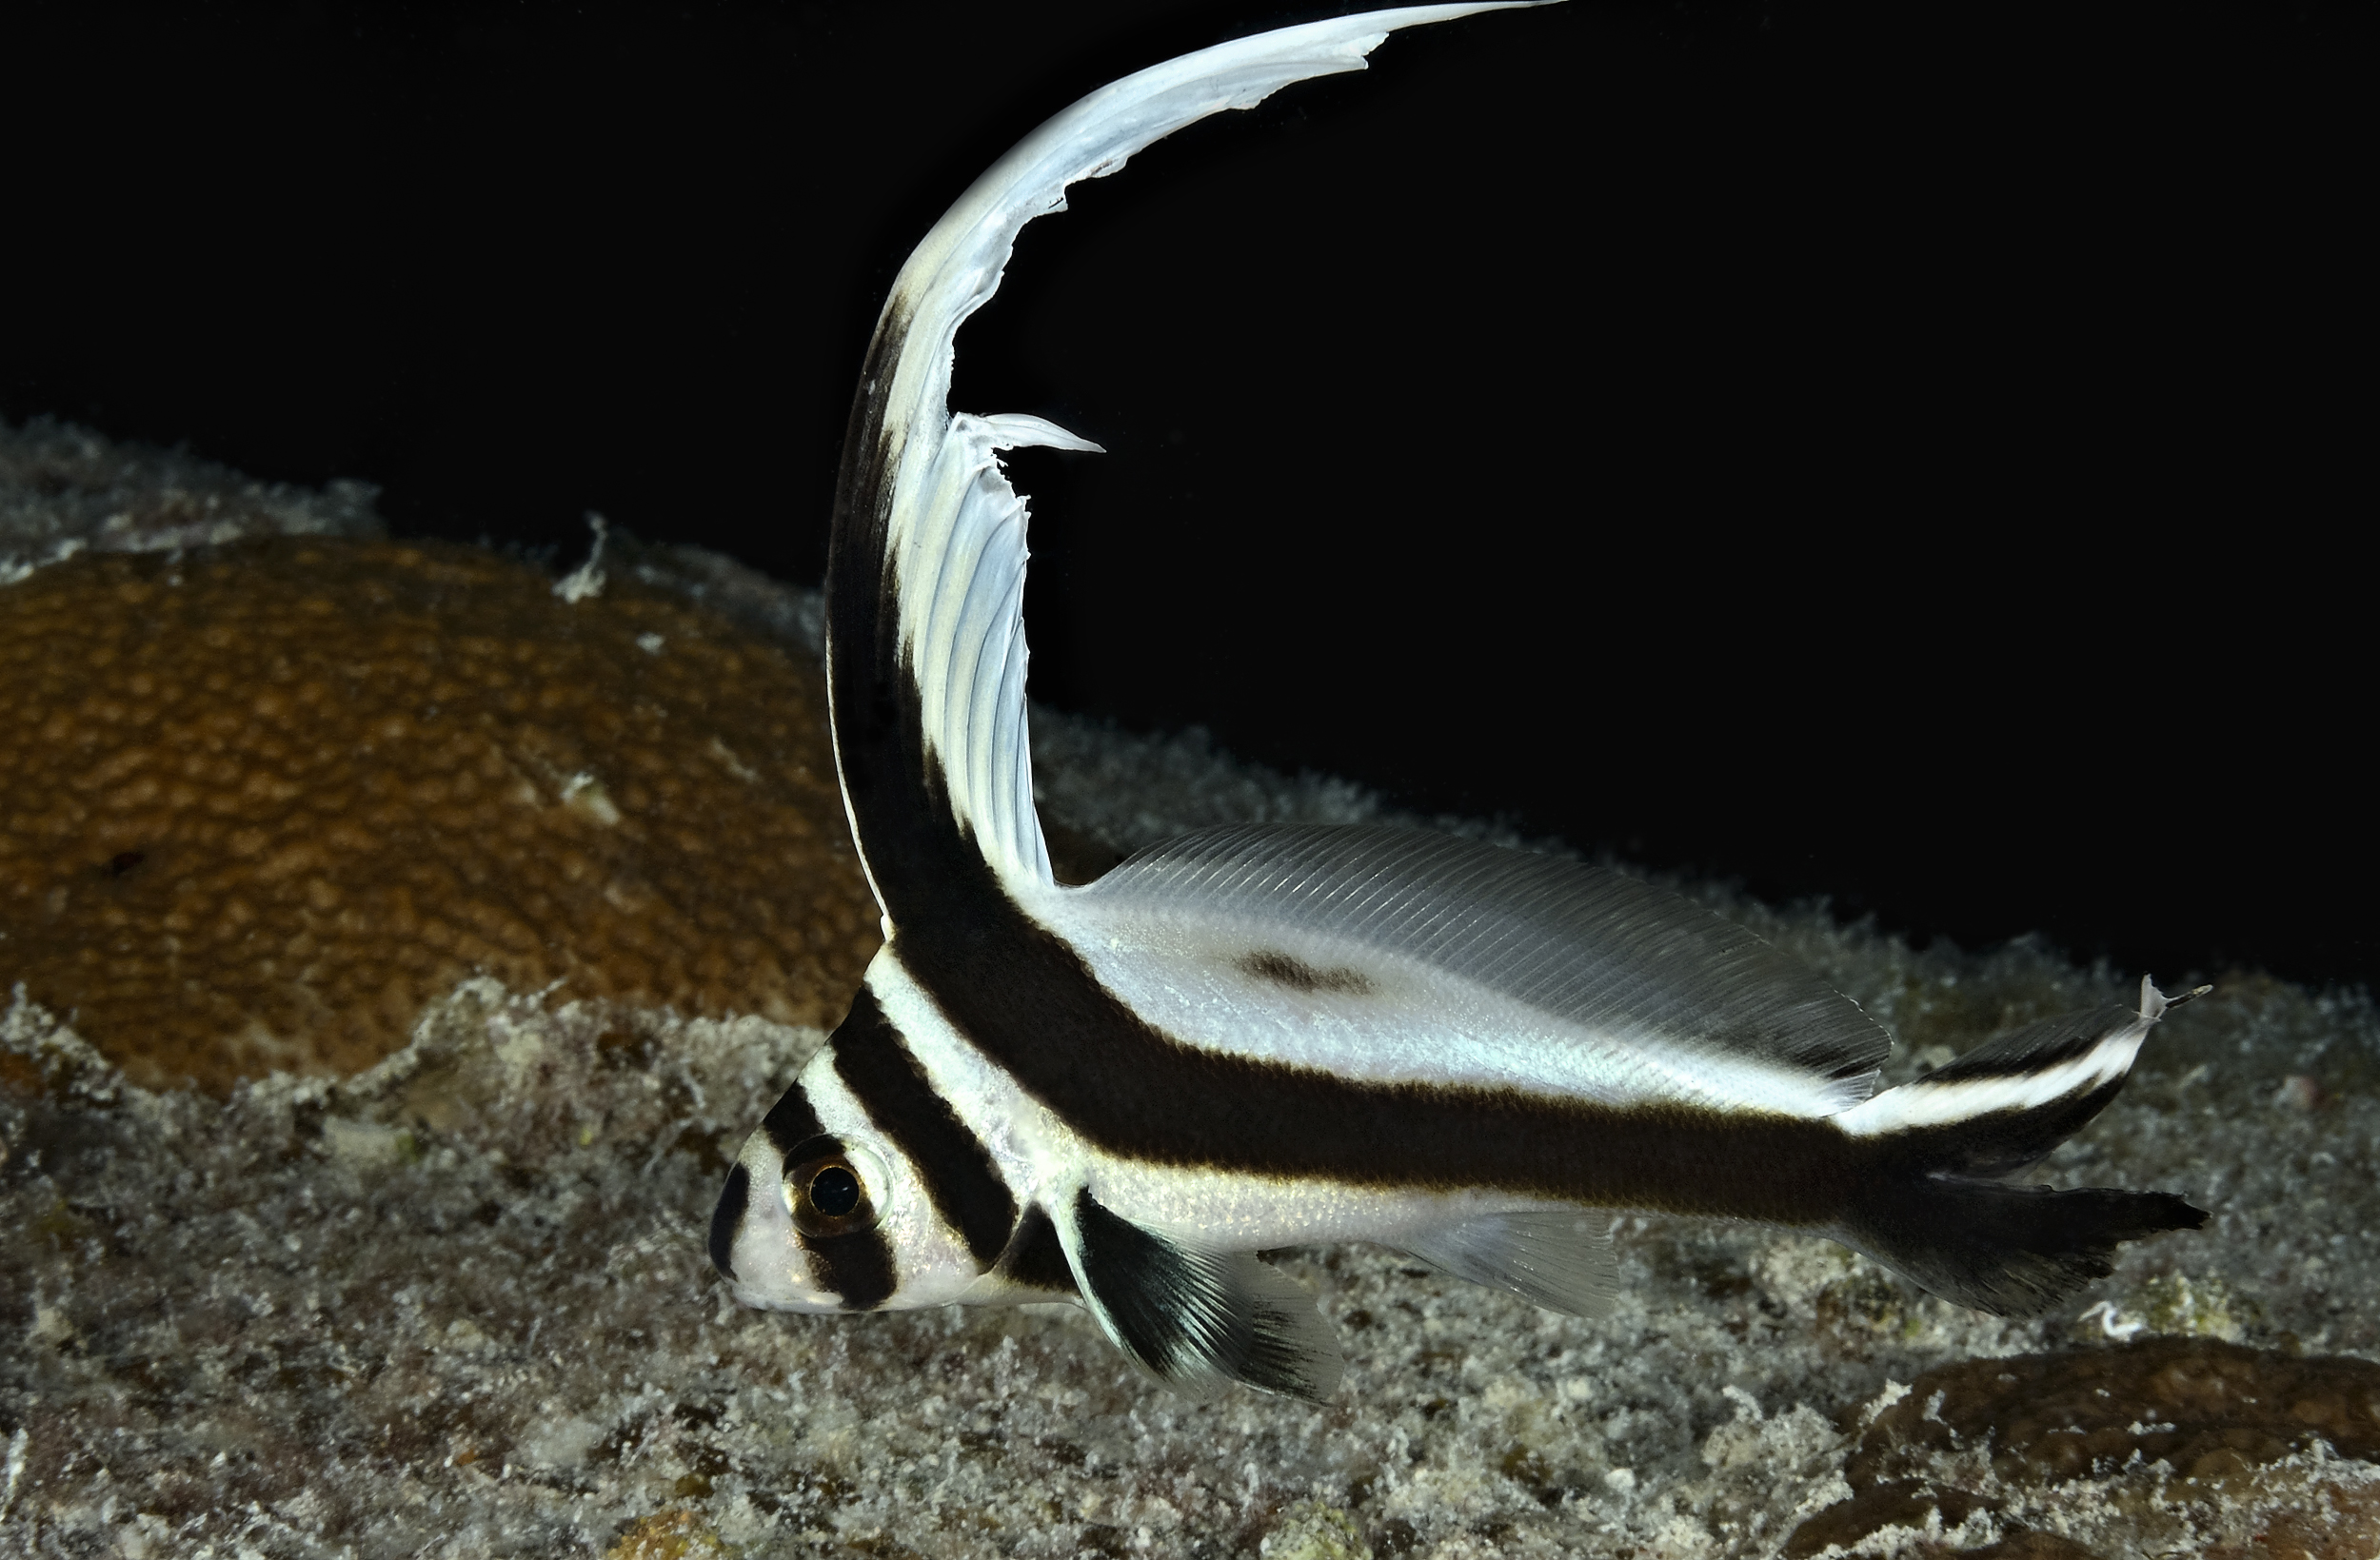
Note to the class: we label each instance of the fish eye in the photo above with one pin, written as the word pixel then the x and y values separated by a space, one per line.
pixel 832 1190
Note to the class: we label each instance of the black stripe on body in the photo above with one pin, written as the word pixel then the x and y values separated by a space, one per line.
pixel 857 1267
pixel 726 1216
pixel 1024 999
pixel 961 1179
pixel 1996 1143
pixel 1028 1002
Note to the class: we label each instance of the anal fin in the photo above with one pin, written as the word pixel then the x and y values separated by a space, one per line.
pixel 1560 1260
pixel 1198 1320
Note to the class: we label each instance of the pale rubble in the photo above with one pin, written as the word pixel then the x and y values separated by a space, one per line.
pixel 459 1304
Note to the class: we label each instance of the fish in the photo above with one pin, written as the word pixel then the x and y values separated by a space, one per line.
pixel 1272 1036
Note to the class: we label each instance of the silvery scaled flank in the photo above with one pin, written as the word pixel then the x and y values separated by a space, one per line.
pixel 1270 1035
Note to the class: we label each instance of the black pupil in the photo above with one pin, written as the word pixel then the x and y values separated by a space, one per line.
pixel 834 1191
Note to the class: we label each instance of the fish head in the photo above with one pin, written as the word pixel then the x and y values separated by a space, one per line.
pixel 824 1212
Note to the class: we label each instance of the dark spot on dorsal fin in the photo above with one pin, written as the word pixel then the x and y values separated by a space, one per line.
pixel 1283 970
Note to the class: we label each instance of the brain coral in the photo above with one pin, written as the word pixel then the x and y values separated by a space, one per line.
pixel 259 804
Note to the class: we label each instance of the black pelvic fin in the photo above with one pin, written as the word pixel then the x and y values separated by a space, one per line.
pixel 1198 1320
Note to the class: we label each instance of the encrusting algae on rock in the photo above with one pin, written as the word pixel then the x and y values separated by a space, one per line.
pixel 2163 1426
pixel 269 801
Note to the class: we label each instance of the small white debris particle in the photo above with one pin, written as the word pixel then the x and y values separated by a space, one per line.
pixel 1312 1531
pixel 52 1326
pixel 363 1143
pixel 2110 1323
pixel 587 578
pixel 1894 1391
pixel 582 793
pixel 16 1469
pixel 2298 1093
pixel 734 766
pixel 561 1443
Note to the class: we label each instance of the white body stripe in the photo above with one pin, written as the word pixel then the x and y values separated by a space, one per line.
pixel 1045 1161
pixel 1923 1104
pixel 1413 1022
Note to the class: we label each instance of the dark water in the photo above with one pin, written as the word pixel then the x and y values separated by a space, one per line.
pixel 1873 457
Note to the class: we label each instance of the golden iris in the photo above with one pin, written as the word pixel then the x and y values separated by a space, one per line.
pixel 826 1192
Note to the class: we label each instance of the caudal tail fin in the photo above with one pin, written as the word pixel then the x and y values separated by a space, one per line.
pixel 1928 1205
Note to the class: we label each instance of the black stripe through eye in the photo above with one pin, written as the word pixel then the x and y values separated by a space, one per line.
pixel 825 1192
pixel 790 1123
pixel 858 1268
pixel 857 1263
pixel 961 1179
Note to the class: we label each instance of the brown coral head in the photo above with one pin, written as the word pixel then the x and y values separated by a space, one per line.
pixel 267 801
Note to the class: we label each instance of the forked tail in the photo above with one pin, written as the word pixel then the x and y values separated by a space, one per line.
pixel 1929 1206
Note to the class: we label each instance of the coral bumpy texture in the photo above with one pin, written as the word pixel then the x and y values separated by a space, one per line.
pixel 267 801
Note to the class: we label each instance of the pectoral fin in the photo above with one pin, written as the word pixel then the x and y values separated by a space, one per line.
pixel 1562 1261
pixel 1198 1320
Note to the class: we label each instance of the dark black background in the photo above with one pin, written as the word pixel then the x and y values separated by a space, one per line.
pixel 1913 454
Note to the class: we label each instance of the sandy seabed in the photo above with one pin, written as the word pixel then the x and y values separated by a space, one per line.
pixel 459 1304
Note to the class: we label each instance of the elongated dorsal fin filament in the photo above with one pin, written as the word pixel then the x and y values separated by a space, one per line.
pixel 925 572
